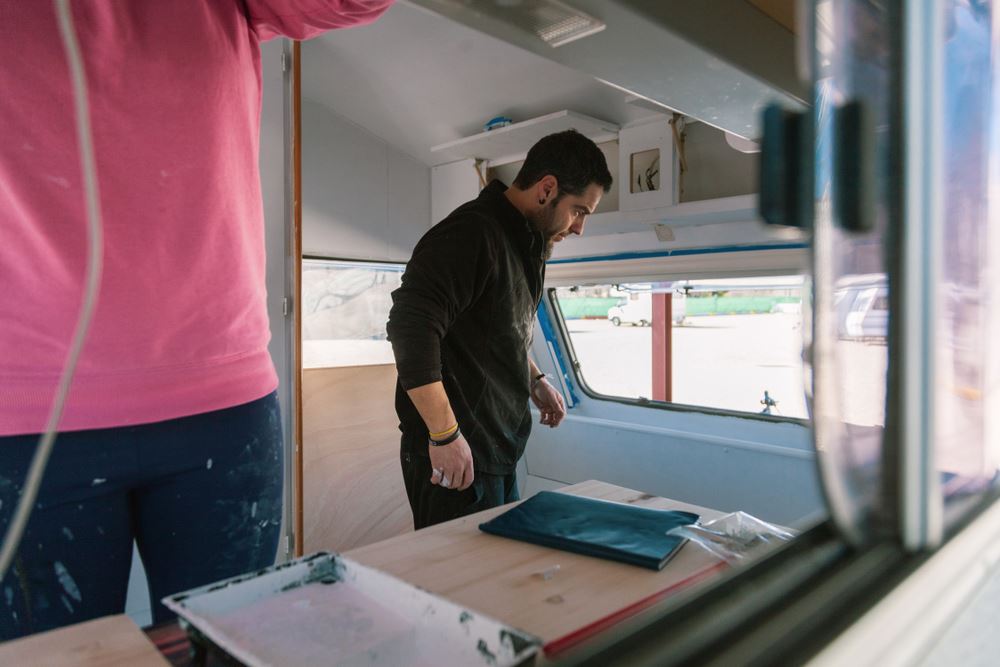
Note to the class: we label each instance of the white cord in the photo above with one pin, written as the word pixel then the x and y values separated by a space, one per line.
pixel 91 286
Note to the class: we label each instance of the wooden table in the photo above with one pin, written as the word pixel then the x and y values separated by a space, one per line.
pixel 112 640
pixel 555 595
pixel 506 579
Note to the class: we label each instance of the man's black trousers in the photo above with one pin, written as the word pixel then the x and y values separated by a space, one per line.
pixel 432 504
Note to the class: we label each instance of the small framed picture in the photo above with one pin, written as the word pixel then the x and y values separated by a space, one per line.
pixel 645 171
pixel 646 161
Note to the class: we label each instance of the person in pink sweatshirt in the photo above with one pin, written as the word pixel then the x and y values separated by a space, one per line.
pixel 171 434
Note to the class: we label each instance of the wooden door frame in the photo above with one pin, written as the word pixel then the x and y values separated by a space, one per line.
pixel 296 128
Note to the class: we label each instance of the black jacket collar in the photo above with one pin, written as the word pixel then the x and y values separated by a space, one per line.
pixel 522 232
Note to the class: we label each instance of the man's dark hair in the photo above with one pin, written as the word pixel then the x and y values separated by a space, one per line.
pixel 572 158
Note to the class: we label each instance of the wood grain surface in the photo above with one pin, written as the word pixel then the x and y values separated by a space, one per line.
pixel 353 491
pixel 112 640
pixel 546 592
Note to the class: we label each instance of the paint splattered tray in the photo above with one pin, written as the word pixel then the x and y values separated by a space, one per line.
pixel 326 609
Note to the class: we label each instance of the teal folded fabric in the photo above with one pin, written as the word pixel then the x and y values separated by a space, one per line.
pixel 616 531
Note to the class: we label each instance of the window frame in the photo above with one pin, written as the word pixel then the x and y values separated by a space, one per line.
pixel 565 339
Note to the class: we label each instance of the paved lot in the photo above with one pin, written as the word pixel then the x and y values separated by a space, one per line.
pixel 724 361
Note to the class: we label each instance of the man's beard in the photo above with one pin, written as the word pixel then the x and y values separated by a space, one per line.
pixel 550 245
pixel 544 222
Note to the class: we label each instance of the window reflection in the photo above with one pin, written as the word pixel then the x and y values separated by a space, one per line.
pixel 966 459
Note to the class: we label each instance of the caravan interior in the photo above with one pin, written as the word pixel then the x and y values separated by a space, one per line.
pixel 378 173
pixel 391 145
pixel 798 229
pixel 773 385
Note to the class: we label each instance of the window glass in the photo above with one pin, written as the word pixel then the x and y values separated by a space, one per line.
pixel 345 306
pixel 733 344
pixel 967 451
pixel 850 350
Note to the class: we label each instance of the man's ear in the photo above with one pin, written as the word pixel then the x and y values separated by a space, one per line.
pixel 547 188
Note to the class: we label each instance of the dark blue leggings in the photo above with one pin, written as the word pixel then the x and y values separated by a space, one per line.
pixel 200 495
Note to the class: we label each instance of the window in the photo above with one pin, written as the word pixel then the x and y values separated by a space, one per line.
pixel 733 344
pixel 967 449
pixel 345 306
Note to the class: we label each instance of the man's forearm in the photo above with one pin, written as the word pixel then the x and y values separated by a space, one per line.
pixel 432 403
pixel 533 371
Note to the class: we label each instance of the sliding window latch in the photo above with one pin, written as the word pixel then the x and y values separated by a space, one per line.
pixel 854 167
pixel 786 168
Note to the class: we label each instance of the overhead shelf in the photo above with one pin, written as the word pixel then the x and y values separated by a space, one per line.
pixel 510 143
pixel 738 208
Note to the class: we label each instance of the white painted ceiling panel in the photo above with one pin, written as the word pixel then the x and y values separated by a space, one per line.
pixel 417 79
pixel 430 72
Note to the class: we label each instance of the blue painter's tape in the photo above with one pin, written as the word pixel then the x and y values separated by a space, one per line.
pixel 553 342
pixel 679 253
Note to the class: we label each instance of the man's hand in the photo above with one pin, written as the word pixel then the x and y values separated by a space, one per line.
pixel 452 465
pixel 549 402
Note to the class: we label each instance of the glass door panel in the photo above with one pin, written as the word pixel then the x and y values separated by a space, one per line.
pixel 850 347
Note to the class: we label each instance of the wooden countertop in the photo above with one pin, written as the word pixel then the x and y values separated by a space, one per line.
pixel 112 640
pixel 548 593
pixel 552 594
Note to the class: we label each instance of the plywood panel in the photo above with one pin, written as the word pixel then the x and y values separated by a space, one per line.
pixel 782 11
pixel 112 640
pixel 546 592
pixel 352 487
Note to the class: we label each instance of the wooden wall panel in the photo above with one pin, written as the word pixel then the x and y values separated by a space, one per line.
pixel 782 11
pixel 352 484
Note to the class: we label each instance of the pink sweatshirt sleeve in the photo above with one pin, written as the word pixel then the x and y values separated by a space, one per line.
pixel 304 19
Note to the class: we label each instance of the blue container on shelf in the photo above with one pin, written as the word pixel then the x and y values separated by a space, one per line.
pixel 498 122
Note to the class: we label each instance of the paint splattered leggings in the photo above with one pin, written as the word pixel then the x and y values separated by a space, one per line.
pixel 201 496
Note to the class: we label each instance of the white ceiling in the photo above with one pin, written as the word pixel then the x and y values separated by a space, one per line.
pixel 417 79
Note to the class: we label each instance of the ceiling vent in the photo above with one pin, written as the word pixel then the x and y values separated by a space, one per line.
pixel 556 23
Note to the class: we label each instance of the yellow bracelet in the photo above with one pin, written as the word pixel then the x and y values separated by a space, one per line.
pixel 445 433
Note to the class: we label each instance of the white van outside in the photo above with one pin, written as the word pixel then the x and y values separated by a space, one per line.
pixel 862 304
pixel 637 309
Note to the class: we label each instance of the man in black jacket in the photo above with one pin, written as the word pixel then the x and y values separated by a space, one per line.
pixel 461 325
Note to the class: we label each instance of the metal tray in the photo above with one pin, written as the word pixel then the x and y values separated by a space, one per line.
pixel 325 609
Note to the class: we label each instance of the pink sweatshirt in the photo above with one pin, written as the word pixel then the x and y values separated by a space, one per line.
pixel 181 324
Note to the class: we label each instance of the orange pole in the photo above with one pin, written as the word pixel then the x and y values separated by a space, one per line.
pixel 662 344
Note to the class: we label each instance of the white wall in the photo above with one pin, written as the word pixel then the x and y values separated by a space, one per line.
pixel 361 198
pixel 452 185
pixel 715 169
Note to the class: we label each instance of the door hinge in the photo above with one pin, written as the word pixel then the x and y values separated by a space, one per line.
pixel 286 306
pixel 289 545
pixel 284 61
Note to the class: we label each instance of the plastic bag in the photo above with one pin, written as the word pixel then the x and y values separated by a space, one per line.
pixel 734 537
